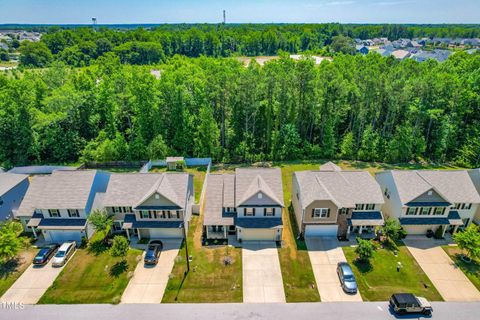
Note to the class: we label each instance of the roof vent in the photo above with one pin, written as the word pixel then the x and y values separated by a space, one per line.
pixel 260 195
pixel 157 196
pixel 430 192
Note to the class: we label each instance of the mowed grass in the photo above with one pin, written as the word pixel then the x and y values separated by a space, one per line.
pixel 92 276
pixel 378 280
pixel 11 270
pixel 209 279
pixel 471 270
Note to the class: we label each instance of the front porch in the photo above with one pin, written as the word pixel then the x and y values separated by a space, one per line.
pixel 364 224
pixel 219 232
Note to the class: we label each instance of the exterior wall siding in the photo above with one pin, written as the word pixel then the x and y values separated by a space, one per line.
pixel 321 204
pixel 12 199
pixel 297 204
pixel 393 206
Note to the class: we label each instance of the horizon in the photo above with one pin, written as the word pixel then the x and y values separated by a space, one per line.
pixel 150 12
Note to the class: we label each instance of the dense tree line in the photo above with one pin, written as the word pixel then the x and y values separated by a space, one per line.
pixel 82 46
pixel 356 107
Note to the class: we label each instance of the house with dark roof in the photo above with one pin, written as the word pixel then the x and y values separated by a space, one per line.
pixel 247 203
pixel 424 200
pixel 57 206
pixel 12 190
pixel 335 202
pixel 150 205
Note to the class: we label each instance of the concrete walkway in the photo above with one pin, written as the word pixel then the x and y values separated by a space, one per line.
pixel 324 255
pixel 32 284
pixel 262 277
pixel 149 282
pixel 449 280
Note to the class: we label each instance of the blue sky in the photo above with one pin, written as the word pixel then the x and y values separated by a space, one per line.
pixel 261 11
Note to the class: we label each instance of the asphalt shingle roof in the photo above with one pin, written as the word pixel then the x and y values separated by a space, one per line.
pixel 249 181
pixel 32 196
pixel 220 188
pixel 10 180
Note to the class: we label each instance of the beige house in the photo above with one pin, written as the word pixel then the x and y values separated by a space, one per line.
pixel 150 205
pixel 424 200
pixel 247 203
pixel 333 202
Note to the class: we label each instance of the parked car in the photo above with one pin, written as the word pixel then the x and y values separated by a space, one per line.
pixel 152 252
pixel 403 303
pixel 63 254
pixel 347 278
pixel 45 254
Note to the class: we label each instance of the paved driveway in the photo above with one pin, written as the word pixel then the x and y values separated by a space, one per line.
pixel 32 284
pixel 148 282
pixel 324 255
pixel 449 280
pixel 262 277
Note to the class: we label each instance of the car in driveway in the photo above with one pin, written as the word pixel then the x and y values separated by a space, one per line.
pixel 405 303
pixel 347 278
pixel 154 248
pixel 64 253
pixel 45 254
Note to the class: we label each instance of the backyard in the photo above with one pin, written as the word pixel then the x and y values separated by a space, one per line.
pixel 12 269
pixel 92 276
pixel 470 269
pixel 379 279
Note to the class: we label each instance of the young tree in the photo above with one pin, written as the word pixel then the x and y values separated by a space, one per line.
pixel 119 247
pixel 469 240
pixel 157 149
pixel 392 230
pixel 347 146
pixel 10 242
pixel 364 250
pixel 101 220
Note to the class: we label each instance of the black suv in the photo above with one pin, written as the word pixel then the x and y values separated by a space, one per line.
pixel 152 252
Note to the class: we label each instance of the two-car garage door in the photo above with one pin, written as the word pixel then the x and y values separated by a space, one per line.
pixel 329 230
pixel 161 233
pixel 251 234
pixel 60 236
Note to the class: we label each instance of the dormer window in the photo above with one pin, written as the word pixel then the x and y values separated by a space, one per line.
pixel 430 192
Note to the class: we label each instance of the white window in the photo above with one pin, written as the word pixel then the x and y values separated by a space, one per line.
pixel 320 213
pixel 439 211
pixel 411 211
pixel 73 213
pixel 116 209
pixel 466 206
pixel 458 206
pixel 370 206
pixel 425 211
pixel 268 212
pixel 174 214
pixel 343 211
pixel 144 214
pixel 359 206
pixel 54 213
pixel 260 195
pixel 249 212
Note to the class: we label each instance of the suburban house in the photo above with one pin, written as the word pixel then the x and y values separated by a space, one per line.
pixel 247 203
pixel 12 189
pixel 150 205
pixel 57 206
pixel 335 202
pixel 424 200
pixel 475 177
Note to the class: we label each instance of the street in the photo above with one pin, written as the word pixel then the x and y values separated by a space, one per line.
pixel 297 311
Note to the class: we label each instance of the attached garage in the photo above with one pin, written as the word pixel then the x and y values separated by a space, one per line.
pixel 419 229
pixel 326 230
pixel 60 236
pixel 251 234
pixel 159 233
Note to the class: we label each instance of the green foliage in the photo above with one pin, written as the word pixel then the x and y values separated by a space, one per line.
pixel 119 247
pixel 10 242
pixel 140 52
pixel 439 233
pixel 4 55
pixel 347 147
pixel 364 249
pixel 101 220
pixel 343 44
pixel 157 149
pixel 469 240
pixel 392 230
pixel 35 54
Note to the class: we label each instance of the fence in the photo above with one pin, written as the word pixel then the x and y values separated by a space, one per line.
pixel 113 164
pixel 188 161
pixel 39 169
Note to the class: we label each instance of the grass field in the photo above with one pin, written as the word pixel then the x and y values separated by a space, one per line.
pixel 379 279
pixel 92 276
pixel 471 270
pixel 11 270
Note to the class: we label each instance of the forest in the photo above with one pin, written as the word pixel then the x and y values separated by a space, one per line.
pixel 369 108
pixel 82 46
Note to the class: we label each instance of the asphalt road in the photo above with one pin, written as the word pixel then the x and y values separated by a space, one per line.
pixel 290 311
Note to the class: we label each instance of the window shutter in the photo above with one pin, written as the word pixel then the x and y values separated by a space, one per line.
pixel 328 213
pixel 264 212
pixel 313 213
pixel 253 211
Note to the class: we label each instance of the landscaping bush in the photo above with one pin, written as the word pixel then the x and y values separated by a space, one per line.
pixel 469 240
pixel 438 233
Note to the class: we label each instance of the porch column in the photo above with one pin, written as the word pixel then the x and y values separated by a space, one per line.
pixel 139 236
pixel 206 229
pixel 34 233
pixel 225 232
pixel 360 229
pixel 444 228
pixel 128 234
pixel 455 229
pixel 349 229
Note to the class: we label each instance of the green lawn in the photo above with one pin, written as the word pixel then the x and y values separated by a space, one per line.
pixel 471 270
pixel 11 270
pixel 92 276
pixel 378 280
pixel 209 279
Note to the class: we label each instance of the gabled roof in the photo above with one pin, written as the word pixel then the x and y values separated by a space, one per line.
pixel 220 194
pixel 9 181
pixel 249 181
pixel 455 186
pixel 32 196
pixel 330 166
pixel 131 189
pixel 344 188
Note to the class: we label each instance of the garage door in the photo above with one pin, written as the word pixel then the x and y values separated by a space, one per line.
pixel 161 233
pixel 60 236
pixel 329 230
pixel 419 230
pixel 258 234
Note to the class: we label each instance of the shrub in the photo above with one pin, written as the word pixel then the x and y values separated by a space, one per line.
pixel 364 250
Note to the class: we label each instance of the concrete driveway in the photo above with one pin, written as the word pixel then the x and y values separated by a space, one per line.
pixel 324 255
pixel 449 280
pixel 32 284
pixel 262 277
pixel 148 282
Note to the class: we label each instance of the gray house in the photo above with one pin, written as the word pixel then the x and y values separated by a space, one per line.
pixel 425 200
pixel 57 206
pixel 247 203
pixel 150 205
pixel 12 190
pixel 332 202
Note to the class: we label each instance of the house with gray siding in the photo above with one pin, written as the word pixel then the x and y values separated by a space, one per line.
pixel 424 200
pixel 475 177
pixel 12 190
pixel 56 206
pixel 150 205
pixel 333 202
pixel 247 204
